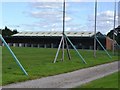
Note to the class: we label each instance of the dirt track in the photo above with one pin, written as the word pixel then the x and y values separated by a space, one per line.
pixel 69 80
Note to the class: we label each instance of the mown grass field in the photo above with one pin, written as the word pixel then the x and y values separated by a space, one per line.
pixel 110 81
pixel 38 63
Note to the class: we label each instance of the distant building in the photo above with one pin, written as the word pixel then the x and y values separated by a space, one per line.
pixel 109 43
pixel 82 40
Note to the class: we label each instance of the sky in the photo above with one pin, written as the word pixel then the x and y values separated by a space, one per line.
pixel 47 16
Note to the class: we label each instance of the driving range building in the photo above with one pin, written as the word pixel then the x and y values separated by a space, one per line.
pixel 82 40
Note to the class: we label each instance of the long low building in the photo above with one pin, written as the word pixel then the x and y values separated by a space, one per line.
pixel 82 40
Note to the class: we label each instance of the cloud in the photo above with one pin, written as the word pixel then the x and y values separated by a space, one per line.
pixel 105 21
pixel 45 14
pixel 47 5
pixel 46 10
pixel 67 18
pixel 48 15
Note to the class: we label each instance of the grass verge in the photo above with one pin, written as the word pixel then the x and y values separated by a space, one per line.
pixel 110 81
pixel 38 63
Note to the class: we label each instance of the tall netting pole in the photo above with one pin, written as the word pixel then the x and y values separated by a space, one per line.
pixel 1 48
pixel 63 30
pixel 64 40
pixel 95 28
pixel 0 63
pixel 114 28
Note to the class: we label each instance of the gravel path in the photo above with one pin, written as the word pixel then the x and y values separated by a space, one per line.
pixel 69 80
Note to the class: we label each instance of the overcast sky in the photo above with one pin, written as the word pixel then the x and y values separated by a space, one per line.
pixel 47 16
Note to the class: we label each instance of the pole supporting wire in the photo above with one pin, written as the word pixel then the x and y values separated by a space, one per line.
pixel 13 55
pixel 103 48
pixel 76 50
pixel 58 50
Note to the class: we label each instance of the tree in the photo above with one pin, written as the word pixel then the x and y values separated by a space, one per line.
pixel 117 34
pixel 7 32
pixel 0 31
pixel 15 31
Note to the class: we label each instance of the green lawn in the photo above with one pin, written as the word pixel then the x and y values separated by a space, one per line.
pixel 110 81
pixel 38 63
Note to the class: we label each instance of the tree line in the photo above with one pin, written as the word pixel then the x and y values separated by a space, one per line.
pixel 6 32
pixel 116 33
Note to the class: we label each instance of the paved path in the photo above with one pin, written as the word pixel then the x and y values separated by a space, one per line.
pixel 69 80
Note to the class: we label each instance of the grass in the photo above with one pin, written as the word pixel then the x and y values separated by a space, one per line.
pixel 38 63
pixel 110 81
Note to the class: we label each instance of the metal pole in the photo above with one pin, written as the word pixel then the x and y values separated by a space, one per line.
pixel 15 58
pixel 114 28
pixel 63 49
pixel 67 48
pixel 76 50
pixel 58 50
pixel 103 47
pixel 95 28
pixel 118 45
pixel 64 17
pixel 62 42
pixel 63 30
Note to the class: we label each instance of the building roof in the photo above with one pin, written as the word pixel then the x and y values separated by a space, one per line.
pixel 55 33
